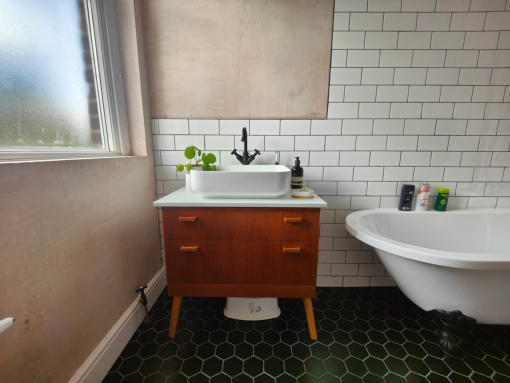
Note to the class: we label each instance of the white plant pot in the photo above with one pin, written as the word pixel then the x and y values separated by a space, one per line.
pixel 188 183
pixel 251 308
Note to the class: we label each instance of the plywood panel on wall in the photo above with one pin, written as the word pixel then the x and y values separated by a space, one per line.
pixel 238 58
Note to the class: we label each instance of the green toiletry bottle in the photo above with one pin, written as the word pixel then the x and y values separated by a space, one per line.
pixel 442 199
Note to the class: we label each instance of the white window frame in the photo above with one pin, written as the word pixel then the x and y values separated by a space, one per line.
pixel 106 60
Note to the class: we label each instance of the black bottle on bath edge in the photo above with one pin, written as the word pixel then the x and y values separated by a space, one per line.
pixel 296 175
pixel 406 198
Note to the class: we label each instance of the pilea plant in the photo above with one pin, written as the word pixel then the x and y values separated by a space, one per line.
pixel 197 158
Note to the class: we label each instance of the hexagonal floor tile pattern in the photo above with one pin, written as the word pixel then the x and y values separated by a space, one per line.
pixel 364 335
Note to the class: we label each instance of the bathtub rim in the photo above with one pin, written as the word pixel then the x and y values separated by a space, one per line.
pixel 463 260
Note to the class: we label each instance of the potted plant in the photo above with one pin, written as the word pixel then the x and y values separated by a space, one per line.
pixel 197 159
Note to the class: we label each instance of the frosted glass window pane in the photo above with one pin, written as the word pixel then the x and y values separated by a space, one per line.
pixel 47 92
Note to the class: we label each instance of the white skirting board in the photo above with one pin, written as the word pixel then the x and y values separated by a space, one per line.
pixel 99 362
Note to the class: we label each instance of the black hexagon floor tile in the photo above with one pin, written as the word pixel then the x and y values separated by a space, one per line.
pixel 366 335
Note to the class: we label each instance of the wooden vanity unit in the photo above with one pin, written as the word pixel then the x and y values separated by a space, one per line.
pixel 240 248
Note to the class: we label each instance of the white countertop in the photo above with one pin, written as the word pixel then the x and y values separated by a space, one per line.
pixel 182 198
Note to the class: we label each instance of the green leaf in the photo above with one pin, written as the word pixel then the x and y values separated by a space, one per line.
pixel 189 167
pixel 199 152
pixel 189 152
pixel 210 158
pixel 213 167
pixel 206 166
pixel 180 168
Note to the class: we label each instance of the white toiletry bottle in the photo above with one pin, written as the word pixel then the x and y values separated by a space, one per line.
pixel 423 198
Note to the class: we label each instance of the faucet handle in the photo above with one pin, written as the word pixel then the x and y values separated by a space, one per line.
pixel 257 151
pixel 234 151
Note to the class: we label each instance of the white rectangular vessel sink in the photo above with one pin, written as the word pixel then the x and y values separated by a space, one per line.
pixel 242 181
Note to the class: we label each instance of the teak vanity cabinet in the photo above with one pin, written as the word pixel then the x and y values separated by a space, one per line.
pixel 241 252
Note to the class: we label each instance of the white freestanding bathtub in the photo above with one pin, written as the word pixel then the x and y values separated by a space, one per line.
pixel 454 260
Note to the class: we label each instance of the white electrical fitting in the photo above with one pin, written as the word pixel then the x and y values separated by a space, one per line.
pixel 5 324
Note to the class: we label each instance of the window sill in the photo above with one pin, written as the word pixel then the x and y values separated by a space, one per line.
pixel 50 158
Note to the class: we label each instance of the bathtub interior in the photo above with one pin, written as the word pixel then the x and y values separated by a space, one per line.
pixel 466 232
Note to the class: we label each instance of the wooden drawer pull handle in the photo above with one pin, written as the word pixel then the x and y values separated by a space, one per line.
pixel 291 250
pixel 292 219
pixel 189 249
pixel 188 219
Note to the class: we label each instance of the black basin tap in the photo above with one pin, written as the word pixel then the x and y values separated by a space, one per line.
pixel 246 158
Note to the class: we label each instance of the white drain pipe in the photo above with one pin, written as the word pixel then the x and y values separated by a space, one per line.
pixel 5 324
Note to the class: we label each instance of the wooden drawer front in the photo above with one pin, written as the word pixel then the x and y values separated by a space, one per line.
pixel 209 263
pixel 299 224
pixel 297 262
pixel 181 223
pixel 221 261
pixel 240 224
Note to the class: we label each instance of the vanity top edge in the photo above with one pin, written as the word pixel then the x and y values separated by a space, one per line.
pixel 181 198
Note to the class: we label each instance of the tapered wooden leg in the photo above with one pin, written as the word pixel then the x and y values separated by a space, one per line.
pixel 174 316
pixel 310 318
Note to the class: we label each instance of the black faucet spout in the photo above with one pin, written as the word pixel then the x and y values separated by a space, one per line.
pixel 246 158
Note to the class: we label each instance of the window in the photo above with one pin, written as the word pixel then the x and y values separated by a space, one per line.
pixel 60 88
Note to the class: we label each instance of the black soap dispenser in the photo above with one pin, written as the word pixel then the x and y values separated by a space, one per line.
pixel 296 175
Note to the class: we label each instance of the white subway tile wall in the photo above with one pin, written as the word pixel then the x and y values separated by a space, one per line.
pixel 419 92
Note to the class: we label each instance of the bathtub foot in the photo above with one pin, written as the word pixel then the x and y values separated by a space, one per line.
pixel 449 322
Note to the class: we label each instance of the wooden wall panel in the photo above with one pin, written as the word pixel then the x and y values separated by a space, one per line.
pixel 238 58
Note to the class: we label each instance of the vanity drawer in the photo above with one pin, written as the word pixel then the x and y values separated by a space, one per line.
pixel 221 262
pixel 240 224
pixel 181 223
pixel 297 262
pixel 300 224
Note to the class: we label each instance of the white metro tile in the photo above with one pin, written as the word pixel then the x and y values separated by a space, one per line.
pixel 472 21
pixel 163 142
pixel 348 40
pixel 350 5
pixel 390 127
pixel 456 93
pixel 233 126
pixel 336 93
pixel 359 93
pixel 452 5
pixel 352 188
pixel 326 127
pixel 173 126
pixel 432 143
pixel 370 143
pixel 338 174
pixel 494 143
pixel 458 174
pixel 377 76
pixel 219 142
pixel 324 158
pixel 374 110
pixel 381 40
pixel 461 58
pixel 341 21
pixel 437 110
pixel 471 76
pixel 429 58
pixel 338 58
pixel 365 202
pixel 343 110
pixel 398 173
pixel 354 158
pixel 418 5
pixel 445 158
pixel 203 126
pixel 414 40
pixel 476 159
pixel 399 21
pixel 481 40
pixel 405 110
pixel 396 58
pixel 450 127
pixel 384 5
pixel 488 93
pixel 433 22
pixel 279 143
pixel 447 40
pixel 410 75
pixel 294 127
pixel 366 21
pixel 392 93
pixel 484 5
pixel 381 188
pixel 428 173
pixel 482 127
pixel 340 142
pixel 415 158
pixel 384 158
pixel 463 143
pixel 182 142
pixel 368 173
pixel 309 142
pixel 402 142
pixel 424 93
pixel 263 127
pixel 469 110
pixel 423 127
pixel 357 127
